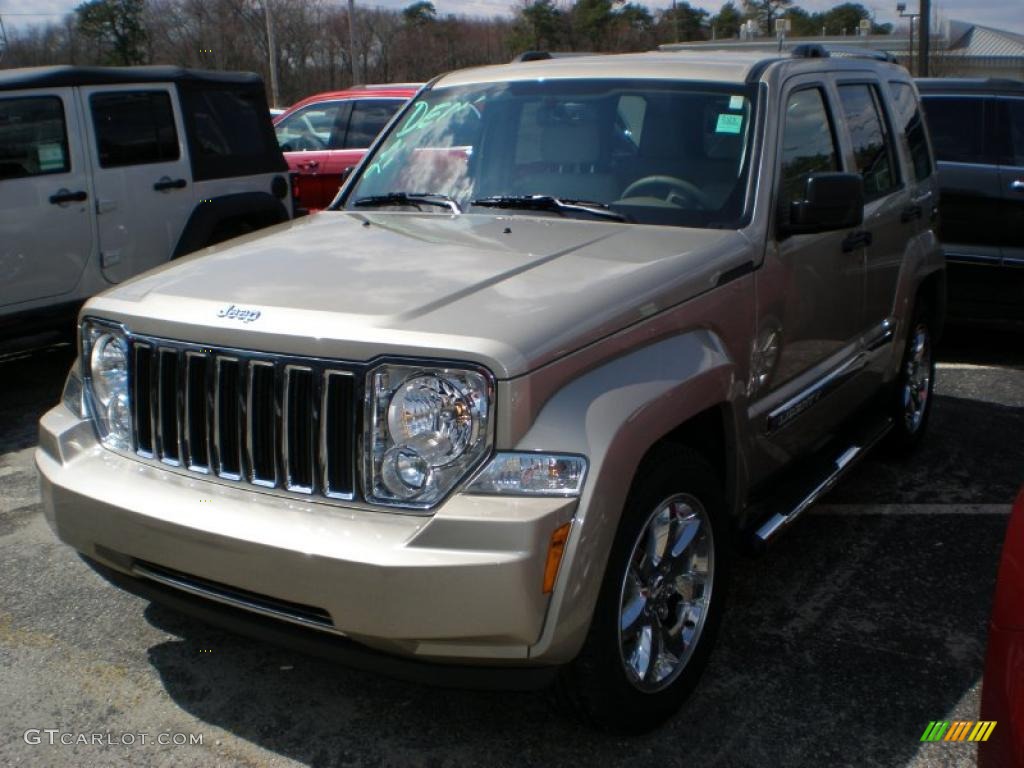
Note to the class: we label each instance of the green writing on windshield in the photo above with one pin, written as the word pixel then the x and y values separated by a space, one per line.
pixel 421 116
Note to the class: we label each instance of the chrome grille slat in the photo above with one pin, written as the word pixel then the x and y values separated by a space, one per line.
pixel 298 443
pixel 280 423
pixel 260 424
pixel 194 435
pixel 168 387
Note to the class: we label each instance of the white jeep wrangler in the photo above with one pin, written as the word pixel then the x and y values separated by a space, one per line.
pixel 107 172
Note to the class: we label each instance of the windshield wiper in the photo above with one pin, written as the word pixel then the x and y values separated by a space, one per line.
pixel 549 203
pixel 418 199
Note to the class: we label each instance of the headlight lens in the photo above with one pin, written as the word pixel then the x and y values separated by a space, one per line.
pixel 426 428
pixel 106 350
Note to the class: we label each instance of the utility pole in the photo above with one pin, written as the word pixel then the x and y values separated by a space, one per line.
pixel 925 27
pixel 900 9
pixel 271 54
pixel 352 39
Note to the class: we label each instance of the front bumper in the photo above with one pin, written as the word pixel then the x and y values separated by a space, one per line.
pixel 462 585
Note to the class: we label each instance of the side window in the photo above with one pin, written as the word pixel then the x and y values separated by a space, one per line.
pixel 1010 120
pixel 912 127
pixel 33 137
pixel 228 122
pixel 134 127
pixel 311 127
pixel 1016 107
pixel 872 146
pixel 957 125
pixel 808 141
pixel 368 119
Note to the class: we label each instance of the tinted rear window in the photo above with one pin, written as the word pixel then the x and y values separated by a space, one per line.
pixel 230 133
pixel 957 125
pixel 368 119
pixel 134 128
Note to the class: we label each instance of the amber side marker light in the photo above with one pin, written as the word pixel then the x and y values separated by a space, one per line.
pixel 555 551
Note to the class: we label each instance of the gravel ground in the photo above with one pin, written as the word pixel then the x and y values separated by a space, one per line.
pixel 839 646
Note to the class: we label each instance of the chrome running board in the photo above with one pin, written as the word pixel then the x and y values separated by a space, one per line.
pixel 843 463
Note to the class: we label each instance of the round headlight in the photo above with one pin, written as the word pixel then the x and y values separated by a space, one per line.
pixel 434 418
pixel 108 365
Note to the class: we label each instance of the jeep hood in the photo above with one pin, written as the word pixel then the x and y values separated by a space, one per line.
pixel 509 292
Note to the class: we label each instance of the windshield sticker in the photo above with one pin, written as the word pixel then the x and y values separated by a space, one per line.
pixel 729 124
pixel 736 102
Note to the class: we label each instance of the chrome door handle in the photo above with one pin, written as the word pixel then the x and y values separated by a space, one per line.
pixel 1017 185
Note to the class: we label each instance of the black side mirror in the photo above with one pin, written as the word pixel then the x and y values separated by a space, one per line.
pixel 830 201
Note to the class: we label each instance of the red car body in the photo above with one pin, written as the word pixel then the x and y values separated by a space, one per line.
pixel 324 135
pixel 1002 696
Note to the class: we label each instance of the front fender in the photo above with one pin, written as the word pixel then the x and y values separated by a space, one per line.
pixel 613 414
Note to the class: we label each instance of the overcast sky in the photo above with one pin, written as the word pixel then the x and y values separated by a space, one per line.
pixel 1002 14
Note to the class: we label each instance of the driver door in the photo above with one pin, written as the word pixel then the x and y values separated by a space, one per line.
pixel 810 294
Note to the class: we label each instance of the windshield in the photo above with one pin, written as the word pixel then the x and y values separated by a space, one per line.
pixel 652 152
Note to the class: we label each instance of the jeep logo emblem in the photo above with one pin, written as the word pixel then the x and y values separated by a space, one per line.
pixel 237 313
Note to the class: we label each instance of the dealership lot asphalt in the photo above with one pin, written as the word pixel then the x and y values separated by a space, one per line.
pixel 839 646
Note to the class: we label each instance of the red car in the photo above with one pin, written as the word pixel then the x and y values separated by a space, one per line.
pixel 1002 695
pixel 325 134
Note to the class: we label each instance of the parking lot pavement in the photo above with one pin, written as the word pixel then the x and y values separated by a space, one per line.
pixel 839 646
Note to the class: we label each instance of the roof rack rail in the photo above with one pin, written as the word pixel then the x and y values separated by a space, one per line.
pixel 545 55
pixel 819 51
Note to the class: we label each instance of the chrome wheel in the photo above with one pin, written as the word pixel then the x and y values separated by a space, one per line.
pixel 666 593
pixel 917 378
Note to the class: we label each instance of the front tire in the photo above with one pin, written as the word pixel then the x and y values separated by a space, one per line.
pixel 661 599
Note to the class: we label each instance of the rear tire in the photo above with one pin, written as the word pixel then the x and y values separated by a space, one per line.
pixel 661 600
pixel 911 402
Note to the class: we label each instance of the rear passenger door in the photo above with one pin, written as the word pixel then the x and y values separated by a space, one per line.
pixel 143 180
pixel 887 208
pixel 366 119
pixel 971 192
pixel 46 224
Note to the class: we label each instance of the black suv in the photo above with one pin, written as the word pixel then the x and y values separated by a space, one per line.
pixel 977 129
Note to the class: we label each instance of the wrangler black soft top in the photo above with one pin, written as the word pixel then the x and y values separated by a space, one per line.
pixel 67 76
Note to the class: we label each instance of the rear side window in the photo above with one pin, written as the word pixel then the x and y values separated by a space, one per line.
pixel 369 116
pixel 134 128
pixel 229 130
pixel 33 137
pixel 957 125
pixel 872 146
pixel 227 122
pixel 911 125
pixel 808 141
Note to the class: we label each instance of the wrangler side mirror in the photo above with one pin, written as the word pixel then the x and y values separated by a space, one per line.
pixel 830 201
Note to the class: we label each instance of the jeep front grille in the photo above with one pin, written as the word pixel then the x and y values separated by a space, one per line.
pixel 268 420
